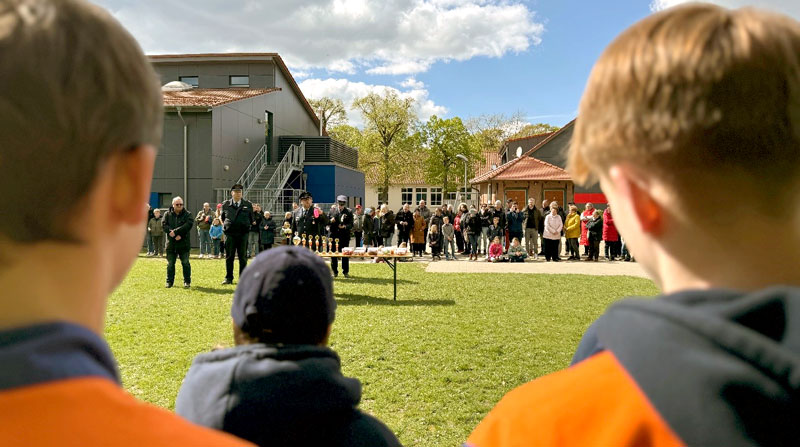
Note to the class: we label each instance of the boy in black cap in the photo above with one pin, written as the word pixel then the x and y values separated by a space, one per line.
pixel 237 218
pixel 281 384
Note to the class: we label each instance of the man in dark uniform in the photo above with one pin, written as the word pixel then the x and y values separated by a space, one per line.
pixel 308 220
pixel 237 217
pixel 341 222
pixel 177 223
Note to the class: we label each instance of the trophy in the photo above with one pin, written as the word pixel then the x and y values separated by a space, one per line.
pixel 296 240
pixel 330 245
pixel 316 243
pixel 324 239
pixel 304 239
pixel 337 244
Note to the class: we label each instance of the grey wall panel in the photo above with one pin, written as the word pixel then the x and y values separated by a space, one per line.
pixel 555 151
pixel 216 75
pixel 232 124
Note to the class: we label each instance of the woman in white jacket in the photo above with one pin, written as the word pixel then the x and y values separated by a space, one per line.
pixel 552 235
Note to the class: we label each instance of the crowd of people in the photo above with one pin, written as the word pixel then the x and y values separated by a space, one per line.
pixel 684 107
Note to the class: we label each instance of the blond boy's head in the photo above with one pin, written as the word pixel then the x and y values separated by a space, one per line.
pixel 704 98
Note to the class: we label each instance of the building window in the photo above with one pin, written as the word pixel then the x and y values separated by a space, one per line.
pixel 460 195
pixel 422 194
pixel 240 81
pixel 164 200
pixel 383 195
pixel 194 81
pixel 436 196
pixel 407 195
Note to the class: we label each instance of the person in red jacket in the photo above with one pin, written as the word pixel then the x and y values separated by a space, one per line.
pixel 611 236
pixel 685 107
pixel 586 215
pixel 79 130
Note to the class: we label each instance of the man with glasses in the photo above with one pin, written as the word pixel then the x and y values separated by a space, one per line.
pixel 237 217
pixel 177 223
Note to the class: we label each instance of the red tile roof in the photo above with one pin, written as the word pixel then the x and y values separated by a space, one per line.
pixel 489 158
pixel 211 97
pixel 529 168
pixel 536 170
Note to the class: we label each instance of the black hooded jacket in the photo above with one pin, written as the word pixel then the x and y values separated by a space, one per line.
pixel 292 395
pixel 721 367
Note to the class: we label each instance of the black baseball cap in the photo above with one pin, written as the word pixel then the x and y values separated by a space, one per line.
pixel 237 186
pixel 305 195
pixel 285 296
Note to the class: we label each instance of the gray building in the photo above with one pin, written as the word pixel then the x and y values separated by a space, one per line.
pixel 225 118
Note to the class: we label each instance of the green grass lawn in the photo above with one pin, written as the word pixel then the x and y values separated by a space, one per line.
pixel 432 364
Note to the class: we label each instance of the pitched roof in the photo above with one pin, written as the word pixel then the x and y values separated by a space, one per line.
pixel 535 139
pixel 536 170
pixel 529 168
pixel 166 58
pixel 489 159
pixel 211 97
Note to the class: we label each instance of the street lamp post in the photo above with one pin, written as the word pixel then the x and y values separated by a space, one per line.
pixel 465 160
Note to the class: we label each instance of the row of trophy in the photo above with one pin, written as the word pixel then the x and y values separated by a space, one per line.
pixel 327 243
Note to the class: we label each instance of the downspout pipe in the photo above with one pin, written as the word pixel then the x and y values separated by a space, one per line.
pixel 185 158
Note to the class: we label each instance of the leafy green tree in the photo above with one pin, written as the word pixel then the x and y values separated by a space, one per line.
pixel 386 143
pixel 442 140
pixel 331 112
pixel 534 129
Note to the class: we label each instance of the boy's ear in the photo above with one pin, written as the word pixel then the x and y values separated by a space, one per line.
pixel 634 193
pixel 131 176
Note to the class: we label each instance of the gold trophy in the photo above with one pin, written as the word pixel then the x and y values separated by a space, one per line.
pixel 304 239
pixel 330 245
pixel 337 244
pixel 296 240
pixel 323 244
pixel 316 243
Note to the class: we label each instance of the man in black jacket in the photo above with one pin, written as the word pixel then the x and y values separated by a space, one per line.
pixel 405 223
pixel 308 220
pixel 177 223
pixel 281 385
pixel 532 217
pixel 341 222
pixel 237 218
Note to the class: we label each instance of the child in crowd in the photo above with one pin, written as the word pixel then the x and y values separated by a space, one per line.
pixel 156 232
pixel 435 242
pixel 449 239
pixel 287 231
pixel 496 249
pixel 496 231
pixel 594 227
pixel 516 252
pixel 216 236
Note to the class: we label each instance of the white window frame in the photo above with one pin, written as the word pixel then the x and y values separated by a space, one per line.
pixel 434 192
pixel 407 195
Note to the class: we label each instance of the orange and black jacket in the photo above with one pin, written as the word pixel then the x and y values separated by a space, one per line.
pixel 705 368
pixel 59 386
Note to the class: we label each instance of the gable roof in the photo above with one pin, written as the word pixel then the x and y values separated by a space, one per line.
pixel 210 57
pixel 528 170
pixel 210 97
pixel 534 140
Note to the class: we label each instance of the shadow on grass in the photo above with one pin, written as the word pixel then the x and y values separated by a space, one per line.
pixel 216 291
pixel 371 280
pixel 350 299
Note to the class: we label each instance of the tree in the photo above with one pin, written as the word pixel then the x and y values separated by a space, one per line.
pixel 490 131
pixel 347 134
pixel 386 144
pixel 442 140
pixel 330 111
pixel 530 130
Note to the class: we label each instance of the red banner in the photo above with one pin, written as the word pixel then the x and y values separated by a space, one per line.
pixel 593 197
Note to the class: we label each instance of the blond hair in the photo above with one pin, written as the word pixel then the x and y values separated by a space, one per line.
pixel 700 96
pixel 76 89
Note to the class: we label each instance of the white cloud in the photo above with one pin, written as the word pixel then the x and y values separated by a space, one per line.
pixel 412 83
pixel 379 36
pixel 788 7
pixel 348 91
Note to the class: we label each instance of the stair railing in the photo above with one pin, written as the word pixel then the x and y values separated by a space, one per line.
pixel 254 169
pixel 291 161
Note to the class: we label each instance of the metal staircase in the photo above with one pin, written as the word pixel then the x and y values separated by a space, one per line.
pixel 266 184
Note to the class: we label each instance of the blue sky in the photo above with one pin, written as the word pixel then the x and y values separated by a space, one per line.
pixel 453 57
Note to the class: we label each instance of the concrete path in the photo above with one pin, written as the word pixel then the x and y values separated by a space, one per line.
pixel 601 268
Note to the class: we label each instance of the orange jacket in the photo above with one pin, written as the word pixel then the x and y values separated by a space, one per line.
pixel 594 403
